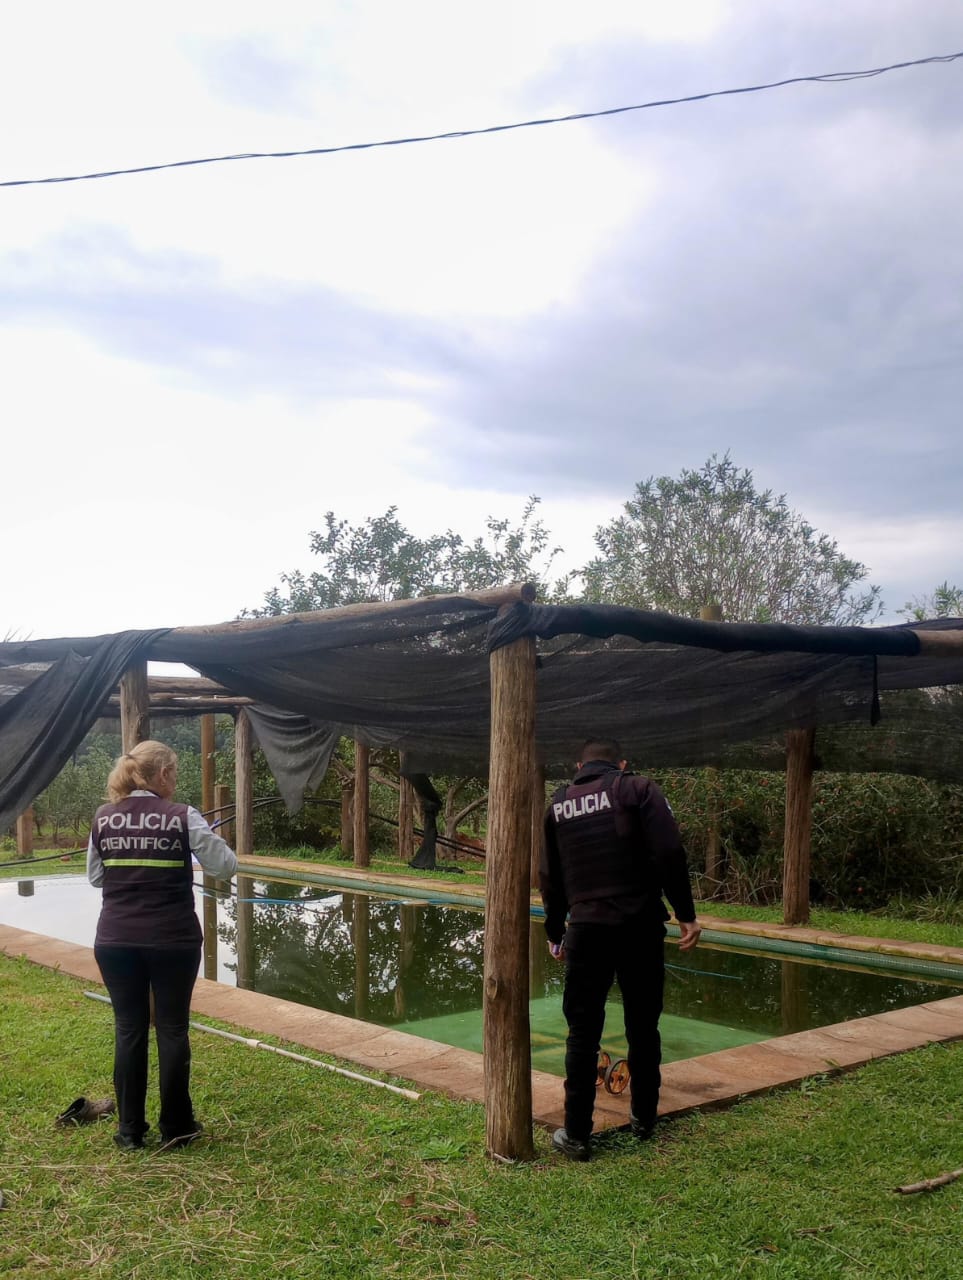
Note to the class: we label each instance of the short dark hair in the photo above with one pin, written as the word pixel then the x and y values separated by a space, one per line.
pixel 601 749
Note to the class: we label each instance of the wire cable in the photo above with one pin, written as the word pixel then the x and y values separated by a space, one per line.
pixel 830 77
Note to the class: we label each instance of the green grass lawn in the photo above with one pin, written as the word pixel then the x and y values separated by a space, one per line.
pixel 306 1174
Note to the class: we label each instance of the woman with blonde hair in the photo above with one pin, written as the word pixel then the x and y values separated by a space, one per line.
pixel 148 935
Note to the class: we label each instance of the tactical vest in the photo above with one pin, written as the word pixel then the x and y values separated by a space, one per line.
pixel 600 843
pixel 144 845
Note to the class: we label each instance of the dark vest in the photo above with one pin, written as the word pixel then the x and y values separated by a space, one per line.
pixel 148 878
pixel 602 851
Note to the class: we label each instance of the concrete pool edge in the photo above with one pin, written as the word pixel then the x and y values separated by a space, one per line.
pixel 712 1080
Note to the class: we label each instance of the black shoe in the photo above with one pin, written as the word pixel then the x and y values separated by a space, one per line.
pixel 183 1139
pixel 574 1148
pixel 641 1129
pixel 127 1142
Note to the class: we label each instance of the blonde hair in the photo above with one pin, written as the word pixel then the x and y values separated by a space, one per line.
pixel 136 770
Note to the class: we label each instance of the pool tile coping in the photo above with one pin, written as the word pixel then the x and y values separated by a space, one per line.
pixel 711 1080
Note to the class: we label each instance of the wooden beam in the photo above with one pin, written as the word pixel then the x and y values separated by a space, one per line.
pixel 362 819
pixel 940 644
pixel 947 643
pixel 134 707
pixel 507 1034
pixel 797 843
pixel 495 598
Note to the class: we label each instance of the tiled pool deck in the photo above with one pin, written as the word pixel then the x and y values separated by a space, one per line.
pixel 714 1079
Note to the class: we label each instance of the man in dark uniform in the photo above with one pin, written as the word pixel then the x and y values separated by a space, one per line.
pixel 612 849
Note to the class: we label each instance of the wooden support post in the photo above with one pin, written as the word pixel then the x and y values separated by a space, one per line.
pixel 507 1035
pixel 246 957
pixel 25 834
pixel 210 884
pixel 715 872
pixel 347 818
pixel 538 821
pixel 361 936
pixel 222 813
pixel 407 929
pixel 795 997
pixel 243 786
pixel 134 707
pixel 406 820
pixel 538 959
pixel 134 728
pixel 797 845
pixel 209 924
pixel 207 766
pixel 362 839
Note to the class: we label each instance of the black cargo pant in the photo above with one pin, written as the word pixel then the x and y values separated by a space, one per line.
pixel 596 955
pixel 130 974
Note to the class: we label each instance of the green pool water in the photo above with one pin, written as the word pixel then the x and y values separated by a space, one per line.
pixel 417 967
pixel 681 1037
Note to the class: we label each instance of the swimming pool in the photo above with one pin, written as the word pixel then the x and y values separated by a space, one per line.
pixel 417 966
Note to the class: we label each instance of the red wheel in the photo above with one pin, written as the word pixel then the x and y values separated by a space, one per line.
pixel 617 1076
pixel 604 1063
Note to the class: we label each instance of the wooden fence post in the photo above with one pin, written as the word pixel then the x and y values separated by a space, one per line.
pixel 507 1035
pixel 797 843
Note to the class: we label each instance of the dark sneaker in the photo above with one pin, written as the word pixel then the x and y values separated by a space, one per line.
pixel 641 1129
pixel 574 1148
pixel 127 1142
pixel 183 1139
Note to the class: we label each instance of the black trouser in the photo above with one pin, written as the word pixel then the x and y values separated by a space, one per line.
pixel 130 974
pixel 595 956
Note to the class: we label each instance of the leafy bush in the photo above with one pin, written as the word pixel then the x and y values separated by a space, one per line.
pixel 874 835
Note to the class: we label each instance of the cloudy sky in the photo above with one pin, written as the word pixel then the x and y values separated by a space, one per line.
pixel 196 364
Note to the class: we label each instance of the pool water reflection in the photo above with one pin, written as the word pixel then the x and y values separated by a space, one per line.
pixel 417 967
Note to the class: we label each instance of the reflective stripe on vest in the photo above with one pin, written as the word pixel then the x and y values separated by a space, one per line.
pixel 143 862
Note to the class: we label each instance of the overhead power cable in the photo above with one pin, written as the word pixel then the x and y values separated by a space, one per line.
pixel 831 77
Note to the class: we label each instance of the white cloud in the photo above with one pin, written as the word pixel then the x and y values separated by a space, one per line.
pixel 197 364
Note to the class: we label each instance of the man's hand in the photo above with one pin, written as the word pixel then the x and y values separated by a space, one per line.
pixel 556 950
pixel 689 934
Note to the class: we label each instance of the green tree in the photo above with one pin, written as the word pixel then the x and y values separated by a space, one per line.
pixel 710 536
pixel 944 602
pixel 380 559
